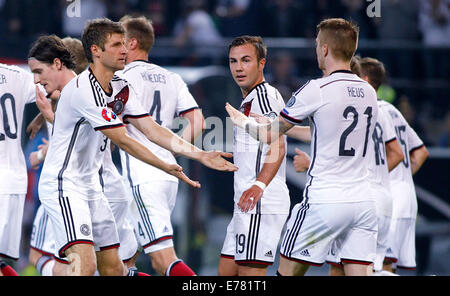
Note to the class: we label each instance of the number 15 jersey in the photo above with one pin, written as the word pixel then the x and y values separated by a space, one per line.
pixel 164 95
pixel 342 109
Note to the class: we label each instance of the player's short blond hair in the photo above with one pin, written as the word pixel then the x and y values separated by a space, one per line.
pixel 140 28
pixel 75 48
pixel 340 35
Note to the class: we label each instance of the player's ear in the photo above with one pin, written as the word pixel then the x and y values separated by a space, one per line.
pixel 95 50
pixel 325 50
pixel 262 63
pixel 57 62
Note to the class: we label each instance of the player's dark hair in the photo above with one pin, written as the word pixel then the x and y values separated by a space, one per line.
pixel 50 47
pixel 256 41
pixel 374 69
pixel 340 35
pixel 96 32
pixel 140 28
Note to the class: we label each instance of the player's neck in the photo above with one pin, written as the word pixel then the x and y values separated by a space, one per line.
pixel 136 56
pixel 246 91
pixel 102 74
pixel 67 76
pixel 335 66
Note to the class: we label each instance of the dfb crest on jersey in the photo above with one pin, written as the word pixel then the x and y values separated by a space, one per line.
pixel 118 104
pixel 291 102
pixel 245 108
pixel 108 115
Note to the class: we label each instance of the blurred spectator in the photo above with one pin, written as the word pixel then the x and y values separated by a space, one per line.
pixel 196 28
pixel 155 11
pixel 117 8
pixel 355 10
pixel 283 75
pixel 288 18
pixel 435 27
pixel 237 17
pixel 20 19
pixel 398 24
pixel 73 25
pixel 444 138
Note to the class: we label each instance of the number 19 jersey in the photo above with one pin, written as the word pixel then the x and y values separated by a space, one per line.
pixel 164 95
pixel 342 109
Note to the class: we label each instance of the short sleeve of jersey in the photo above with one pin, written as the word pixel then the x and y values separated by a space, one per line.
pixel 99 117
pixel 133 108
pixel 304 102
pixel 185 100
pixel 29 88
pixel 414 140
pixel 387 125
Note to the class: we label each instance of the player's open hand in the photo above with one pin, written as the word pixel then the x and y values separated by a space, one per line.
pixel 237 117
pixel 250 198
pixel 177 171
pixel 215 160
pixel 301 161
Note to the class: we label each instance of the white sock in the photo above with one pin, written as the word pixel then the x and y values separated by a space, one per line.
pixel 384 273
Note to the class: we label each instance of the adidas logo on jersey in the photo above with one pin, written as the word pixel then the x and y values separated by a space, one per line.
pixel 165 229
pixel 269 254
pixel 305 253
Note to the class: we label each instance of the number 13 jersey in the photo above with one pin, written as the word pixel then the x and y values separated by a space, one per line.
pixel 164 95
pixel 342 111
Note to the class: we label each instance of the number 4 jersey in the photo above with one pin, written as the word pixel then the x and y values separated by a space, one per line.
pixel 342 111
pixel 164 95
pixel 16 90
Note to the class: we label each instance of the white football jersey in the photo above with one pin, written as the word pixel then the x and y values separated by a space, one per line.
pixel 164 95
pixel 402 183
pixel 16 90
pixel 342 109
pixel 76 149
pixel 384 132
pixel 249 154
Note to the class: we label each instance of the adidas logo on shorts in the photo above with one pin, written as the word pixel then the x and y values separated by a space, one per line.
pixel 305 253
pixel 269 254
pixel 165 229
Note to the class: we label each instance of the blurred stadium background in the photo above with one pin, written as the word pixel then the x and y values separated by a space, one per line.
pixel 412 38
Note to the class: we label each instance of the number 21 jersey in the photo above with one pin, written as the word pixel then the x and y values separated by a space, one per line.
pixel 342 110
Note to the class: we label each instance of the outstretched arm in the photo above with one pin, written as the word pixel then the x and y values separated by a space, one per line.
pixel 266 133
pixel 120 137
pixel 172 142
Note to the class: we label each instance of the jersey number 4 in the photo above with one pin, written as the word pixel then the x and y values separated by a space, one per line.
pixel 7 128
pixel 348 130
pixel 156 107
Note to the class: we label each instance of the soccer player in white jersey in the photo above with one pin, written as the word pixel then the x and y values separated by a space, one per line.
pixel 386 154
pixel 16 90
pixel 401 240
pixel 261 195
pixel 163 94
pixel 337 204
pixel 69 186
pixel 42 243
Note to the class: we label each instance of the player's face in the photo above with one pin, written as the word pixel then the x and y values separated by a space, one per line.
pixel 45 74
pixel 245 68
pixel 115 52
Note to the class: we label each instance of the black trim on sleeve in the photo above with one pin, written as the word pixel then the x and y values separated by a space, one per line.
pixel 99 128
pixel 388 141
pixel 134 116
pixel 187 111
pixel 415 148
pixel 291 119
